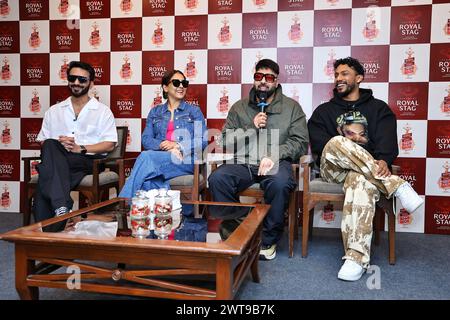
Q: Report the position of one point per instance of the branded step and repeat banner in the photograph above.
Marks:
(403, 44)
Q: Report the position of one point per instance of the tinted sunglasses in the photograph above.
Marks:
(176, 83)
(258, 76)
(81, 79)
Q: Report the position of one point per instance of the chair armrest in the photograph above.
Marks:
(121, 168)
(396, 169)
(30, 158)
(220, 158)
(27, 168)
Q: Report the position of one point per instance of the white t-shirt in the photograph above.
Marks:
(95, 123)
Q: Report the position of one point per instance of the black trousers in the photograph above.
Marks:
(229, 179)
(59, 172)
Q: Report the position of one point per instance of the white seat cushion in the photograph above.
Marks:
(104, 178)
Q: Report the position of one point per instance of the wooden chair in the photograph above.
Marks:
(191, 186)
(92, 186)
(316, 190)
(254, 191)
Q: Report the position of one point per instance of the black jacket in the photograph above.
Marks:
(382, 125)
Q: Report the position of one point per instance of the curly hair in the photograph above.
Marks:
(352, 63)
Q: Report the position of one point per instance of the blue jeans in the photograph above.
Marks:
(153, 170)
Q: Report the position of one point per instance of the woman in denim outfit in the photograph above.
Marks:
(174, 136)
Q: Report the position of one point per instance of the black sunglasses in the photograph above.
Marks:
(176, 83)
(81, 79)
(258, 76)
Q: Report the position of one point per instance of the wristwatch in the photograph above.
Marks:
(83, 149)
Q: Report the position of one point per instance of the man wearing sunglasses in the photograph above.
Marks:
(354, 137)
(266, 132)
(74, 132)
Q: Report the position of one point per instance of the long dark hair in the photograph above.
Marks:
(166, 80)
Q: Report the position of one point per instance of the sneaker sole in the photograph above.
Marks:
(346, 278)
(266, 258)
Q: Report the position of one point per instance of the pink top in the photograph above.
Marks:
(170, 130)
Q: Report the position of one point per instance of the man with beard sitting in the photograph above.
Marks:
(266, 132)
(354, 139)
(74, 132)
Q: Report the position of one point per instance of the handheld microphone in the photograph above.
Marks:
(262, 104)
(262, 96)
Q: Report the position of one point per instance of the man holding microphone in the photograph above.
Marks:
(266, 132)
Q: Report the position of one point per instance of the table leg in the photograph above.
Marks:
(24, 267)
(224, 280)
(254, 269)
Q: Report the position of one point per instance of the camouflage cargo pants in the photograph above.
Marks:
(344, 161)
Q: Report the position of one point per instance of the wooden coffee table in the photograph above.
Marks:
(137, 267)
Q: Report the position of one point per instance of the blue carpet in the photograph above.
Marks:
(421, 271)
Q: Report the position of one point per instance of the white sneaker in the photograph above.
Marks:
(268, 252)
(408, 197)
(351, 271)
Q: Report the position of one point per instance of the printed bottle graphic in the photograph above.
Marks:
(224, 104)
(6, 199)
(157, 100)
(260, 3)
(4, 8)
(406, 142)
(126, 6)
(6, 70)
(158, 35)
(191, 4)
(33, 166)
(370, 30)
(447, 28)
(128, 134)
(35, 104)
(444, 180)
(191, 70)
(295, 33)
(409, 67)
(404, 217)
(258, 56)
(295, 95)
(225, 34)
(34, 41)
(63, 7)
(63, 69)
(445, 105)
(125, 71)
(6, 133)
(94, 94)
(95, 39)
(329, 67)
(328, 214)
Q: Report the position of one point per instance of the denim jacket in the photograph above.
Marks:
(190, 128)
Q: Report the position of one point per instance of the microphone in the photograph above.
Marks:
(262, 104)
(262, 96)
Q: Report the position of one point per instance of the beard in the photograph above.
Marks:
(342, 94)
(268, 93)
(78, 94)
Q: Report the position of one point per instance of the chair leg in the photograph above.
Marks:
(311, 223)
(305, 231)
(292, 222)
(377, 225)
(27, 212)
(297, 215)
(391, 235)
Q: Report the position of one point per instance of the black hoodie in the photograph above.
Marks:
(382, 125)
